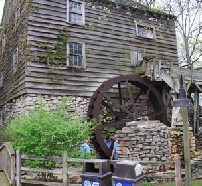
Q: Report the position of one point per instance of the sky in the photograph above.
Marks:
(1, 8)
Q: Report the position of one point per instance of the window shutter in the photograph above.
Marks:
(136, 58)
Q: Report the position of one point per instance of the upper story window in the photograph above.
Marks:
(1, 117)
(76, 55)
(1, 79)
(145, 31)
(15, 59)
(3, 43)
(75, 12)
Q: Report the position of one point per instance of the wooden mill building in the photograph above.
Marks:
(115, 60)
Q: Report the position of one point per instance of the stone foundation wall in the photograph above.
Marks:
(27, 102)
(144, 141)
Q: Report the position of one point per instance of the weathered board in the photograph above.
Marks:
(109, 37)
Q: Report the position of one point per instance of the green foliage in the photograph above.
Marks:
(193, 183)
(43, 132)
(55, 53)
(4, 137)
(146, 184)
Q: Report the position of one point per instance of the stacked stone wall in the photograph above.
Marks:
(144, 141)
(27, 102)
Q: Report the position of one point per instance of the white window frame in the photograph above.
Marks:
(82, 12)
(83, 55)
(136, 58)
(1, 79)
(15, 60)
(3, 43)
(1, 117)
(17, 16)
(147, 28)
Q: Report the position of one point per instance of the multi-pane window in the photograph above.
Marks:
(15, 59)
(146, 32)
(1, 79)
(75, 12)
(1, 117)
(76, 55)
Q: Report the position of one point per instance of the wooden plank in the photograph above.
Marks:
(18, 168)
(30, 157)
(41, 182)
(178, 172)
(40, 170)
(66, 180)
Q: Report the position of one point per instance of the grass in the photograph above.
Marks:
(193, 183)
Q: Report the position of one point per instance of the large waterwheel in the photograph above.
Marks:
(120, 100)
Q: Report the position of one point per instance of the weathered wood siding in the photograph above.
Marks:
(13, 35)
(108, 39)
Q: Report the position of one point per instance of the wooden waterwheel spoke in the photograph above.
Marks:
(120, 93)
(136, 98)
(153, 114)
(131, 96)
(145, 100)
(113, 123)
(120, 96)
(122, 107)
(110, 108)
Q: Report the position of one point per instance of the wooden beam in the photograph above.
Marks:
(178, 175)
(66, 181)
(18, 168)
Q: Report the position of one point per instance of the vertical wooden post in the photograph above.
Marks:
(178, 175)
(195, 111)
(186, 146)
(18, 168)
(64, 169)
(13, 169)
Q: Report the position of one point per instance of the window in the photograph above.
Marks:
(1, 79)
(1, 117)
(145, 31)
(3, 43)
(15, 59)
(136, 58)
(75, 12)
(76, 55)
(17, 16)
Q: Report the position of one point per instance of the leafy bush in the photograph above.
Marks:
(4, 137)
(43, 132)
(146, 184)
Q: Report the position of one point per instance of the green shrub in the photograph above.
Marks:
(43, 132)
(4, 137)
(146, 184)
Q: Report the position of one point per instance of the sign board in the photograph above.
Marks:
(122, 183)
(91, 182)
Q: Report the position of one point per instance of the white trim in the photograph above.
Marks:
(1, 117)
(82, 12)
(149, 28)
(1, 79)
(67, 10)
(15, 59)
(83, 55)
